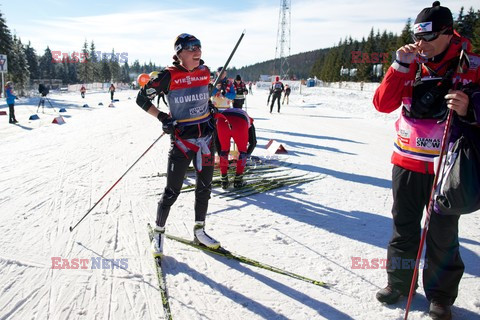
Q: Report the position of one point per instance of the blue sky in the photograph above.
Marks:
(146, 29)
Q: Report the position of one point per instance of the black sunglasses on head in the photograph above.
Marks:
(427, 37)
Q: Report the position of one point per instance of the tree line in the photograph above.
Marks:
(368, 59)
(89, 65)
(353, 60)
(350, 60)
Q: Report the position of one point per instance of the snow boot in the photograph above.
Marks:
(389, 295)
(158, 240)
(238, 181)
(201, 237)
(224, 181)
(439, 311)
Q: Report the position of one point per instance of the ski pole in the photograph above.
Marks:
(113, 186)
(229, 58)
(462, 67)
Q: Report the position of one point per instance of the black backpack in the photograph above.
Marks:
(458, 192)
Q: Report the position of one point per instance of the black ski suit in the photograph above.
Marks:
(277, 88)
(173, 82)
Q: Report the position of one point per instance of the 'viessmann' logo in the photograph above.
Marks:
(192, 97)
(428, 143)
(189, 79)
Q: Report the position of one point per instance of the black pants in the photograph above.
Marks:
(11, 113)
(238, 103)
(276, 96)
(177, 167)
(111, 95)
(443, 267)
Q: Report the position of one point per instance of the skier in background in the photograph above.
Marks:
(82, 91)
(112, 91)
(277, 89)
(270, 92)
(286, 94)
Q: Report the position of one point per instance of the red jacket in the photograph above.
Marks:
(396, 88)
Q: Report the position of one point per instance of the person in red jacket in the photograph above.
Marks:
(235, 123)
(112, 91)
(82, 91)
(421, 81)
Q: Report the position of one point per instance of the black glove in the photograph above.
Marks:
(168, 124)
(211, 106)
(151, 93)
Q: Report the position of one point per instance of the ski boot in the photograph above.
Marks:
(238, 181)
(224, 181)
(202, 238)
(158, 240)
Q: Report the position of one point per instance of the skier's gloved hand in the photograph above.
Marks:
(211, 106)
(168, 124)
(151, 93)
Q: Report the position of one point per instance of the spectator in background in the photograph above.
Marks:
(82, 91)
(224, 92)
(10, 101)
(241, 91)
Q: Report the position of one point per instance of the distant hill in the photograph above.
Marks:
(300, 66)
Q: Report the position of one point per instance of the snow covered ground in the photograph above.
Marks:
(50, 175)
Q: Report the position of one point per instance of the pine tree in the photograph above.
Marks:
(32, 60)
(63, 72)
(5, 41)
(458, 23)
(18, 66)
(5, 37)
(72, 72)
(85, 72)
(406, 35)
(106, 75)
(365, 68)
(46, 66)
(125, 73)
(136, 67)
(114, 67)
(96, 65)
(468, 24)
(476, 34)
